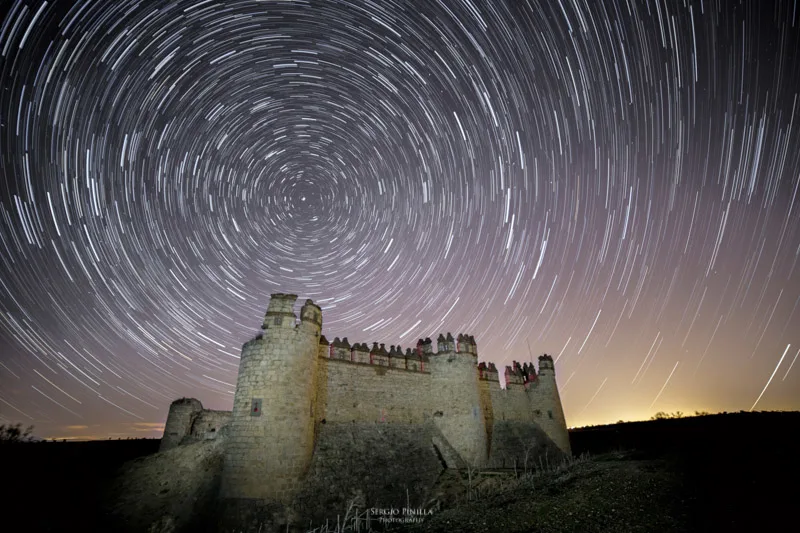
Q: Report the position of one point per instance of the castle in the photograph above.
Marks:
(304, 405)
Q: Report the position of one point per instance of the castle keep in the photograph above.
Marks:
(305, 407)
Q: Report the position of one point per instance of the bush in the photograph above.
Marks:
(11, 434)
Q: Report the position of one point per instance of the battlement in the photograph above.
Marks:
(414, 360)
(280, 310)
(280, 314)
(488, 372)
(525, 373)
(520, 374)
(546, 364)
(462, 344)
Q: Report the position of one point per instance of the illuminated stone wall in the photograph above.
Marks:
(272, 428)
(292, 383)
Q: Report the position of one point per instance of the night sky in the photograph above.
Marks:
(613, 183)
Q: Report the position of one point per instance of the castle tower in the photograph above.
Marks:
(455, 391)
(271, 433)
(548, 402)
(179, 422)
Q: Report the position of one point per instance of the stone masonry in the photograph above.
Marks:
(293, 382)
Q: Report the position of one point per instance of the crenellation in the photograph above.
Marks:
(546, 364)
(415, 360)
(280, 313)
(312, 314)
(396, 357)
(425, 347)
(378, 355)
(360, 353)
(340, 349)
(441, 345)
(445, 344)
(488, 372)
(513, 375)
(465, 344)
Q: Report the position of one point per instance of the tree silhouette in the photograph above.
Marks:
(11, 434)
(661, 415)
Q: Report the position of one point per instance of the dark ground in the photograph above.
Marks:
(728, 473)
(741, 470)
(737, 472)
(61, 486)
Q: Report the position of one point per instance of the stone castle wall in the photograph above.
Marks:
(208, 423)
(456, 400)
(368, 464)
(272, 427)
(347, 391)
(546, 405)
(294, 390)
(188, 422)
(519, 423)
(359, 392)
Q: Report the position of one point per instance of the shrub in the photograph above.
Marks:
(11, 434)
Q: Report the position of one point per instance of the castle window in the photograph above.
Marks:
(278, 320)
(550, 414)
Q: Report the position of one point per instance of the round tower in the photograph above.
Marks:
(271, 433)
(456, 393)
(179, 422)
(548, 401)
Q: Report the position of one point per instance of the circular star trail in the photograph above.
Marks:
(614, 183)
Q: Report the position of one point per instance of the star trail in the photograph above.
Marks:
(614, 183)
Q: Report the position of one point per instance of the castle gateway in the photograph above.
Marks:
(375, 422)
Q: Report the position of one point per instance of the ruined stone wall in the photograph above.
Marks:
(207, 424)
(179, 422)
(357, 392)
